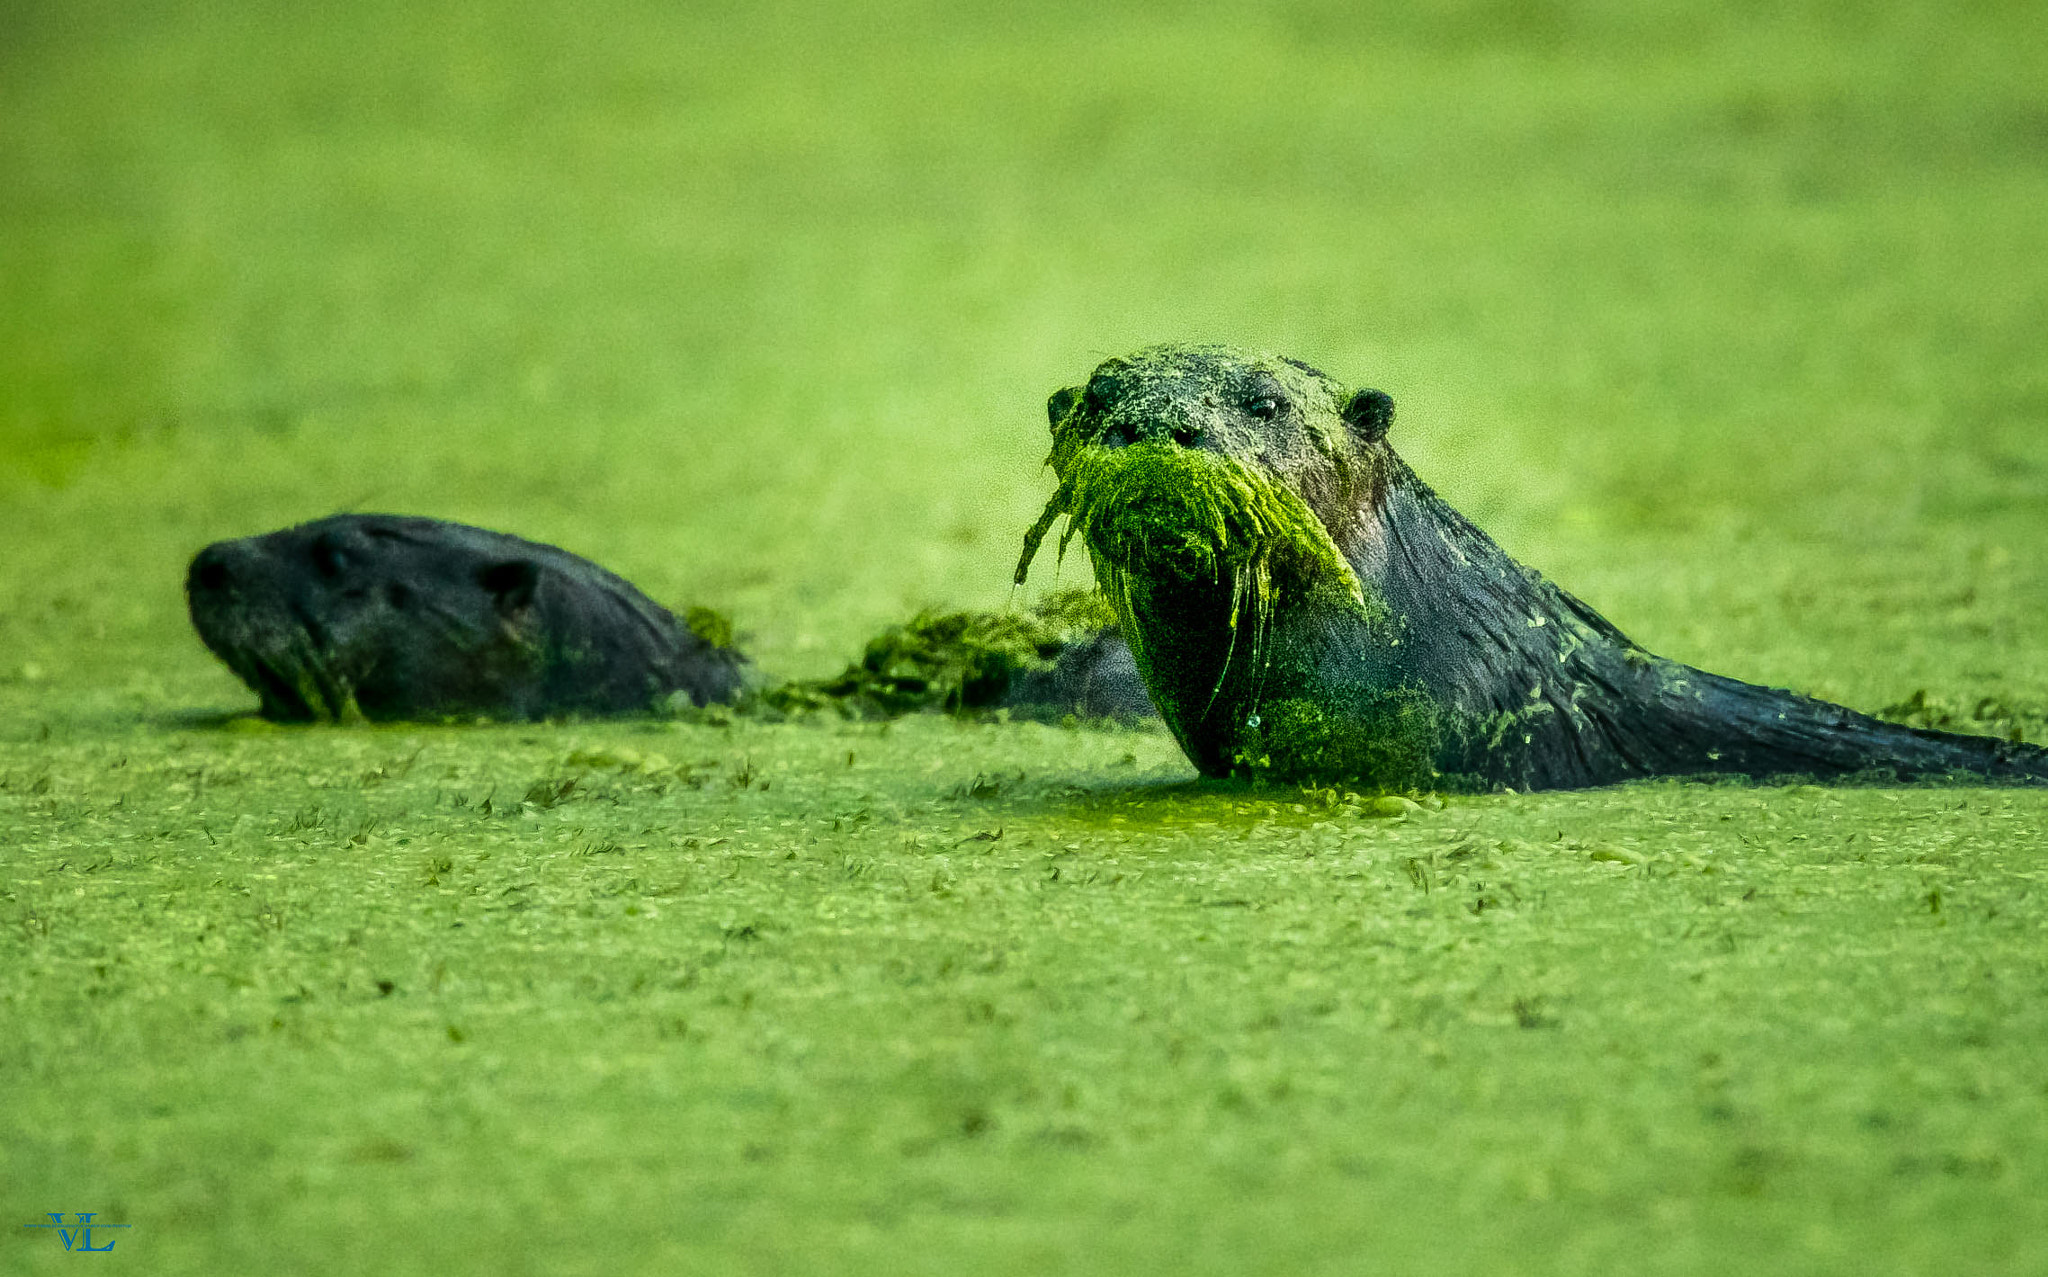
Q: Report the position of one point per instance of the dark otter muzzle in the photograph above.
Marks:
(222, 570)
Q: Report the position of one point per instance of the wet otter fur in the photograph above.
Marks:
(387, 617)
(1303, 607)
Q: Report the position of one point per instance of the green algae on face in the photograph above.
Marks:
(1206, 512)
(1157, 509)
(952, 661)
(1198, 515)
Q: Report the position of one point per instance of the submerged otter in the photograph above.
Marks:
(386, 617)
(1300, 605)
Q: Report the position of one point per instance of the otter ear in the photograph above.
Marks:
(1061, 403)
(1369, 413)
(511, 585)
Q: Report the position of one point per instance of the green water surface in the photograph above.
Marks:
(1729, 317)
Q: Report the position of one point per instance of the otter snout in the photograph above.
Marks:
(1123, 432)
(220, 569)
(1127, 410)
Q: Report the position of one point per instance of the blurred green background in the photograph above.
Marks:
(1728, 316)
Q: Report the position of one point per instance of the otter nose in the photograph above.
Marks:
(213, 569)
(1123, 430)
(1135, 412)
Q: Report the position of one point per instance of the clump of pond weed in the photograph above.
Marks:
(711, 625)
(957, 662)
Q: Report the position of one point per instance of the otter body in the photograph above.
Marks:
(391, 618)
(1301, 605)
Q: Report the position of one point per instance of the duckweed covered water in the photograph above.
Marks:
(1729, 321)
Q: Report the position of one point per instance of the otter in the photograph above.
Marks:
(1301, 606)
(386, 617)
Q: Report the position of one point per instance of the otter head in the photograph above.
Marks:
(1211, 462)
(373, 616)
(1287, 418)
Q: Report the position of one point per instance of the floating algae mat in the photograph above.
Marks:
(957, 662)
(956, 972)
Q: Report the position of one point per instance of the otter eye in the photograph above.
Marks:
(1265, 407)
(328, 558)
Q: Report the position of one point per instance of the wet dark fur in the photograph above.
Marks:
(1609, 711)
(1541, 691)
(408, 618)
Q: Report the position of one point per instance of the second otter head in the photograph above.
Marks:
(391, 617)
(372, 615)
